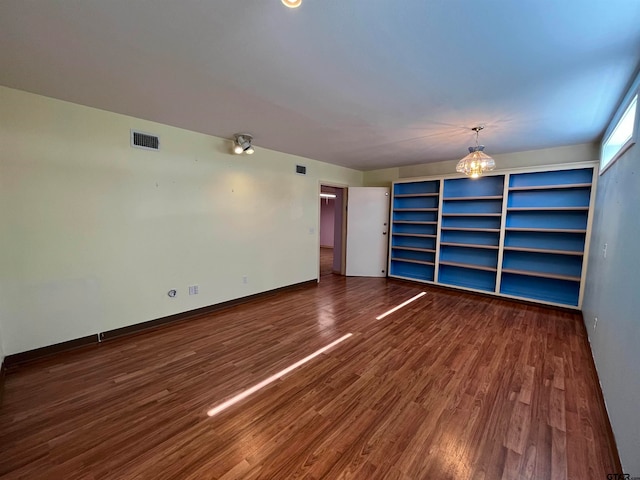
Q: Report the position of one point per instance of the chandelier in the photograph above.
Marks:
(476, 162)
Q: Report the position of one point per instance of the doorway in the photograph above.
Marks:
(332, 229)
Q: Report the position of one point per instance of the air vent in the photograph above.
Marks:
(144, 140)
(301, 169)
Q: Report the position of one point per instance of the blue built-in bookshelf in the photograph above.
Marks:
(470, 232)
(414, 230)
(545, 235)
(520, 234)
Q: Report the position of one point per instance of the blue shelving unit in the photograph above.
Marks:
(470, 232)
(546, 227)
(414, 229)
(520, 234)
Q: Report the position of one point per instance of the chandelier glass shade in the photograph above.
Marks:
(476, 162)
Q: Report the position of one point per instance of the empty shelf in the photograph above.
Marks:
(471, 214)
(485, 197)
(407, 195)
(529, 273)
(408, 260)
(415, 249)
(469, 265)
(415, 209)
(553, 230)
(472, 229)
(544, 250)
(414, 222)
(421, 235)
(546, 209)
(550, 187)
(469, 245)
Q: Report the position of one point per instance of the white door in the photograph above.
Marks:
(367, 231)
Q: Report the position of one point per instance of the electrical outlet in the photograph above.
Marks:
(194, 289)
(245, 279)
(595, 322)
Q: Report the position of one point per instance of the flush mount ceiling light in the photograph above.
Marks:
(477, 162)
(292, 3)
(242, 143)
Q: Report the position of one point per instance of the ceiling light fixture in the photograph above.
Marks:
(327, 195)
(292, 3)
(477, 162)
(242, 143)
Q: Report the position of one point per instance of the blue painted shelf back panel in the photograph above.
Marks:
(416, 216)
(415, 202)
(558, 177)
(545, 289)
(413, 255)
(543, 263)
(555, 241)
(473, 256)
(574, 220)
(464, 277)
(471, 222)
(472, 206)
(415, 242)
(481, 238)
(469, 187)
(416, 229)
(412, 270)
(578, 197)
(431, 186)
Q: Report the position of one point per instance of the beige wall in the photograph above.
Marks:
(95, 232)
(548, 156)
(382, 177)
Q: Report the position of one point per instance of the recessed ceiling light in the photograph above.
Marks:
(291, 3)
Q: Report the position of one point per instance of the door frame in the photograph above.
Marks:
(343, 227)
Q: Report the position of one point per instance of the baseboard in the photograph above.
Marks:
(2, 373)
(199, 312)
(17, 359)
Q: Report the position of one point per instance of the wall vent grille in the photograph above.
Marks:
(144, 140)
(301, 169)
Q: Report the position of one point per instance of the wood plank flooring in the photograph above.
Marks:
(326, 261)
(453, 386)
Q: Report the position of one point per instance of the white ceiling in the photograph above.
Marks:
(360, 83)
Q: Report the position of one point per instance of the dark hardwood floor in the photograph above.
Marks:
(453, 386)
(326, 261)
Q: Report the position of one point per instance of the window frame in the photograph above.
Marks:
(624, 107)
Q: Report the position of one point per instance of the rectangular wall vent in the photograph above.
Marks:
(301, 169)
(144, 140)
